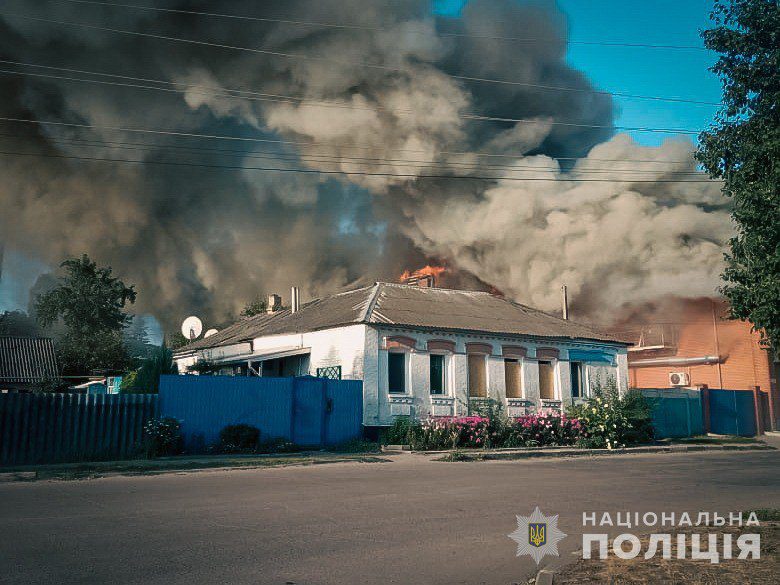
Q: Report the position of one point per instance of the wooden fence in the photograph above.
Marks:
(56, 428)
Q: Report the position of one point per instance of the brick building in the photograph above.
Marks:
(695, 343)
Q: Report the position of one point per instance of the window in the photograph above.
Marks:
(513, 377)
(546, 380)
(477, 376)
(396, 373)
(330, 372)
(577, 380)
(437, 373)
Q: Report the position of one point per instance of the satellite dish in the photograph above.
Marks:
(191, 328)
(210, 332)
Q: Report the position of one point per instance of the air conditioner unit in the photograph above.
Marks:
(678, 379)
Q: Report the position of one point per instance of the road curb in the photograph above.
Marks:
(544, 577)
(499, 454)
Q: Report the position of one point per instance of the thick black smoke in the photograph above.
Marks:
(206, 240)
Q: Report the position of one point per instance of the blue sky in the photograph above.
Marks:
(661, 72)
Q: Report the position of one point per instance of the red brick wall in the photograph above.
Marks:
(744, 363)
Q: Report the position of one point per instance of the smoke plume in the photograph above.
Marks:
(199, 227)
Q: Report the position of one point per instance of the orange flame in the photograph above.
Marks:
(428, 270)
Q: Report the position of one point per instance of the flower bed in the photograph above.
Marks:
(548, 428)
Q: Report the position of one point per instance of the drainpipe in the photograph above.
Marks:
(565, 302)
(717, 342)
(692, 361)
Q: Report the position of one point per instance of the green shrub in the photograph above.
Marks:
(611, 421)
(162, 437)
(400, 432)
(237, 438)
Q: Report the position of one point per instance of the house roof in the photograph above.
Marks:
(25, 360)
(411, 306)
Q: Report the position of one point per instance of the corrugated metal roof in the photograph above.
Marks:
(412, 306)
(27, 359)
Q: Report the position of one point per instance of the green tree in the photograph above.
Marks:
(743, 150)
(89, 302)
(255, 307)
(136, 339)
(18, 324)
(146, 379)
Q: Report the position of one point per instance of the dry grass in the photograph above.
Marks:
(690, 572)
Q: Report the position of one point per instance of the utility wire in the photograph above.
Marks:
(340, 172)
(380, 29)
(274, 53)
(247, 139)
(441, 167)
(303, 102)
(335, 159)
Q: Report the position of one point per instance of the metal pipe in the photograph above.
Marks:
(565, 302)
(295, 302)
(665, 361)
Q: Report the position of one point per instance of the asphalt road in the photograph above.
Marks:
(406, 521)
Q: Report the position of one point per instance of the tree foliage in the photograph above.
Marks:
(89, 302)
(146, 379)
(743, 150)
(255, 307)
(18, 324)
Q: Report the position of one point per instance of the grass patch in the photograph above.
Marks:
(71, 471)
(641, 571)
(767, 514)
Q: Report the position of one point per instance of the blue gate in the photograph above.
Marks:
(677, 412)
(307, 411)
(732, 412)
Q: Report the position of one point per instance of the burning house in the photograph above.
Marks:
(421, 350)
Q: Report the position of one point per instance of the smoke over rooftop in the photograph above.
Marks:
(199, 226)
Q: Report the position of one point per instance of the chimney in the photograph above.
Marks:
(422, 281)
(274, 303)
(295, 299)
(565, 302)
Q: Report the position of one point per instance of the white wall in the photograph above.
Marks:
(381, 407)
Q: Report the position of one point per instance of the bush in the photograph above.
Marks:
(546, 429)
(613, 421)
(479, 432)
(237, 438)
(162, 436)
(398, 434)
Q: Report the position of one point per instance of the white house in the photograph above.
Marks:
(421, 351)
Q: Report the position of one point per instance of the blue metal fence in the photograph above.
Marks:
(57, 428)
(676, 412)
(732, 412)
(307, 411)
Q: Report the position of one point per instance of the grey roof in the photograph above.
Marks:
(27, 359)
(411, 306)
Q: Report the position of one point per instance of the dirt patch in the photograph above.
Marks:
(690, 572)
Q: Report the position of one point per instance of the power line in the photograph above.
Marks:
(274, 95)
(303, 102)
(270, 52)
(380, 29)
(247, 139)
(335, 160)
(340, 172)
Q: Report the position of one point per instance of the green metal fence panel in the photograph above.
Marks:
(58, 428)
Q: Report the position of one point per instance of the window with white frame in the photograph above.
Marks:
(477, 375)
(546, 380)
(578, 389)
(396, 372)
(513, 376)
(437, 373)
